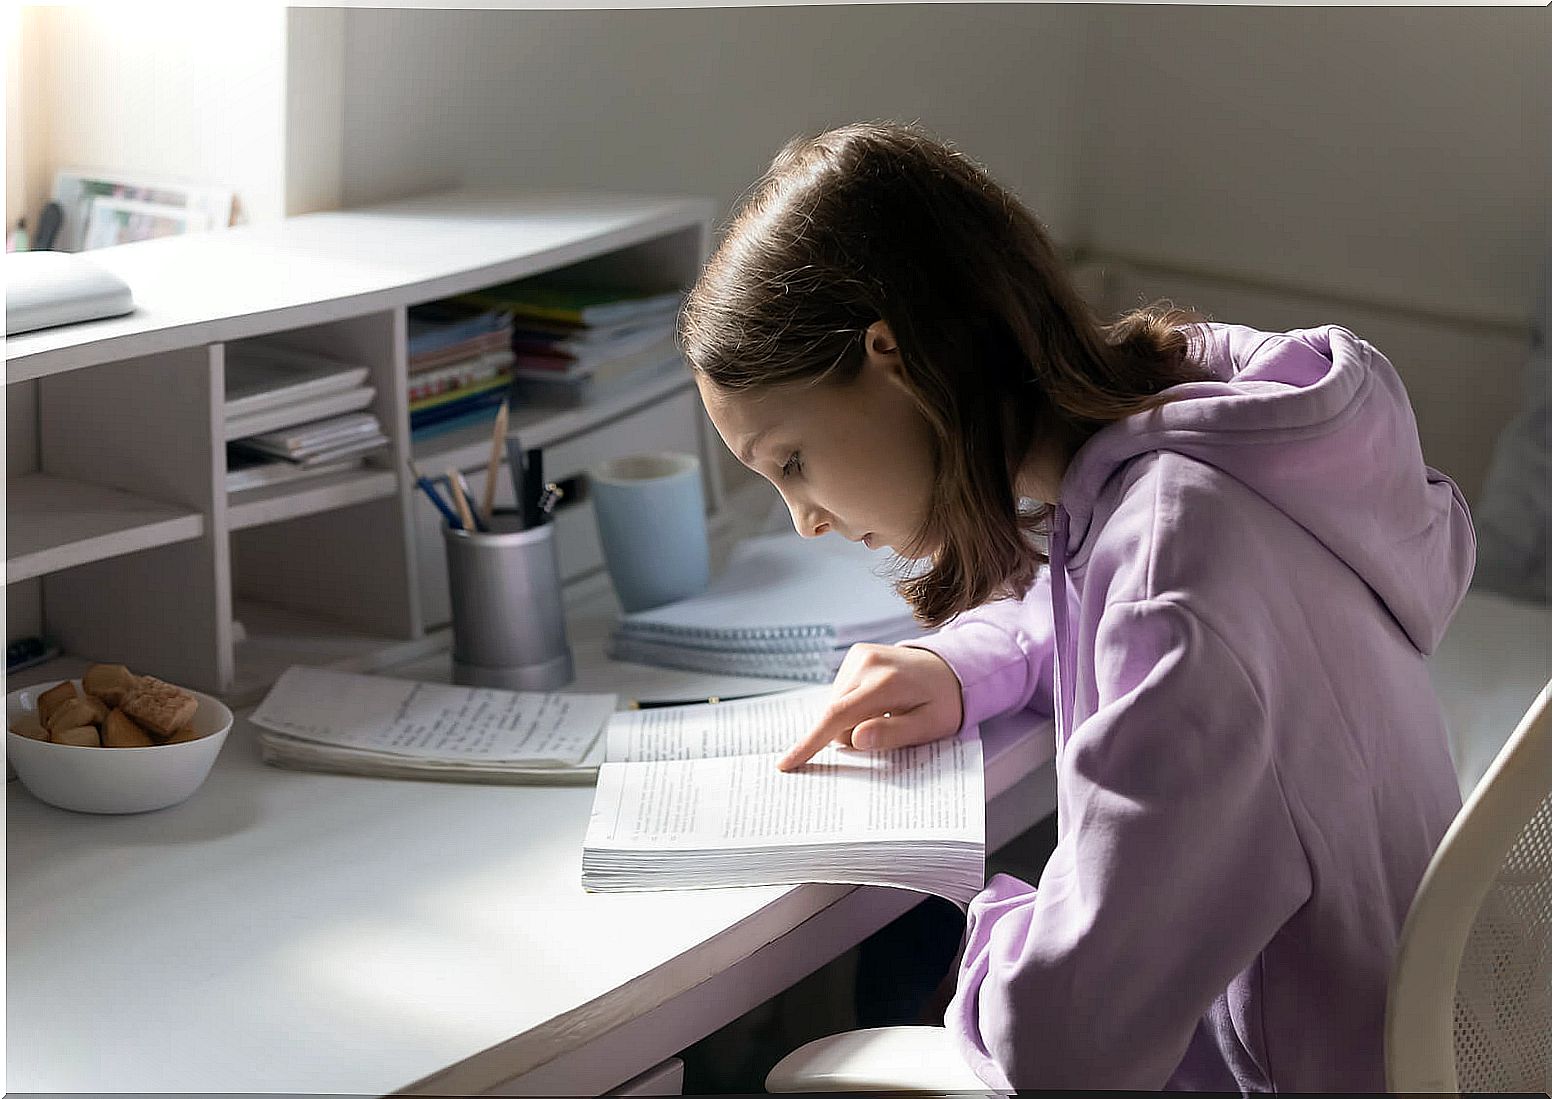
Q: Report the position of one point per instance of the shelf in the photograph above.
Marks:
(56, 523)
(273, 638)
(273, 503)
(469, 447)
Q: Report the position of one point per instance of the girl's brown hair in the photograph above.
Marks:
(881, 221)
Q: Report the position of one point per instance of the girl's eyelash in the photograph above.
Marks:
(793, 465)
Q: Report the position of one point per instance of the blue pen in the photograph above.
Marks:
(429, 488)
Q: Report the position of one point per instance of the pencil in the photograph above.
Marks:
(497, 439)
(460, 501)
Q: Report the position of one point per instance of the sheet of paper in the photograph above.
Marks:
(433, 720)
(930, 791)
(772, 723)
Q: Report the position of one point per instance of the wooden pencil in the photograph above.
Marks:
(498, 439)
(460, 501)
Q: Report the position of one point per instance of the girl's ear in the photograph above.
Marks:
(881, 352)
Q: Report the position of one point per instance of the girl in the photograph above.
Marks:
(1248, 565)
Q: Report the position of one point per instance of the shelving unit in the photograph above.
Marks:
(121, 528)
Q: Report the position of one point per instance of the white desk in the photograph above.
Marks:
(292, 932)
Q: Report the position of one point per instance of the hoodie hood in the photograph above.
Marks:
(1316, 422)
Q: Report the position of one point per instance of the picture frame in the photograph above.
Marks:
(132, 208)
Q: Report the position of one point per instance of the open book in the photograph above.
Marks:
(690, 797)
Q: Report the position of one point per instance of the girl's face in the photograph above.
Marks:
(855, 459)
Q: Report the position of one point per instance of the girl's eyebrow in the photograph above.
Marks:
(746, 455)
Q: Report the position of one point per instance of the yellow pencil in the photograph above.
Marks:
(498, 440)
(460, 501)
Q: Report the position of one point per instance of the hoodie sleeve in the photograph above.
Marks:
(1177, 864)
(1002, 653)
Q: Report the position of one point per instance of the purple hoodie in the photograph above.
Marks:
(1251, 761)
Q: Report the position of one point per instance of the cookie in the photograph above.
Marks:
(160, 707)
(110, 682)
(53, 698)
(82, 736)
(121, 731)
(74, 712)
(29, 726)
(188, 732)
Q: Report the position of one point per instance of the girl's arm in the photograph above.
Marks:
(1002, 653)
(1177, 865)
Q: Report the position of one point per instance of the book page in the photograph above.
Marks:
(746, 726)
(930, 791)
(433, 720)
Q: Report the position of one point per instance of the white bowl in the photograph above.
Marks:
(114, 780)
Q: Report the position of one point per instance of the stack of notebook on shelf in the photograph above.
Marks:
(460, 365)
(573, 344)
(291, 415)
(784, 607)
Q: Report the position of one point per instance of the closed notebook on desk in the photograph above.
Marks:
(784, 594)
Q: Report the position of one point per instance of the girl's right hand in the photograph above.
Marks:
(885, 696)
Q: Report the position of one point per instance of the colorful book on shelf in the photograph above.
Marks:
(480, 418)
(574, 304)
(689, 797)
(540, 389)
(479, 402)
(426, 335)
(573, 335)
(478, 369)
(461, 393)
(655, 353)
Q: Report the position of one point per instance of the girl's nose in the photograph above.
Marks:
(808, 523)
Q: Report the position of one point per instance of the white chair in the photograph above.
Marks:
(1471, 992)
(1470, 1004)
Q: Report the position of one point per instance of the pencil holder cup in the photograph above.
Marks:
(651, 516)
(509, 624)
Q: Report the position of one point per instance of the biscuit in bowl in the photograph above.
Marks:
(124, 767)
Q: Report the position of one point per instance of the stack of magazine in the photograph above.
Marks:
(574, 344)
(784, 607)
(460, 365)
(291, 415)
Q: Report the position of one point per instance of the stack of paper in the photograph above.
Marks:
(290, 414)
(373, 725)
(784, 607)
(690, 797)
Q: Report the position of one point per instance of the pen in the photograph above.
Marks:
(533, 487)
(460, 499)
(497, 437)
(659, 703)
(518, 468)
(426, 485)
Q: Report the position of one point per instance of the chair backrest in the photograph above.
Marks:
(1470, 1006)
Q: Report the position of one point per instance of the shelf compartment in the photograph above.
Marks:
(273, 638)
(57, 523)
(275, 503)
(468, 447)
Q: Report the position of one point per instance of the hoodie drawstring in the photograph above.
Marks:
(1062, 669)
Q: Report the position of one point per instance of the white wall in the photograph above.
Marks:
(1397, 155)
(189, 96)
(698, 100)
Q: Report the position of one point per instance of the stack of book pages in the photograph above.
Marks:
(460, 365)
(321, 720)
(784, 607)
(574, 344)
(690, 797)
(291, 415)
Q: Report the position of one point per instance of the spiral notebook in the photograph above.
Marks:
(784, 606)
